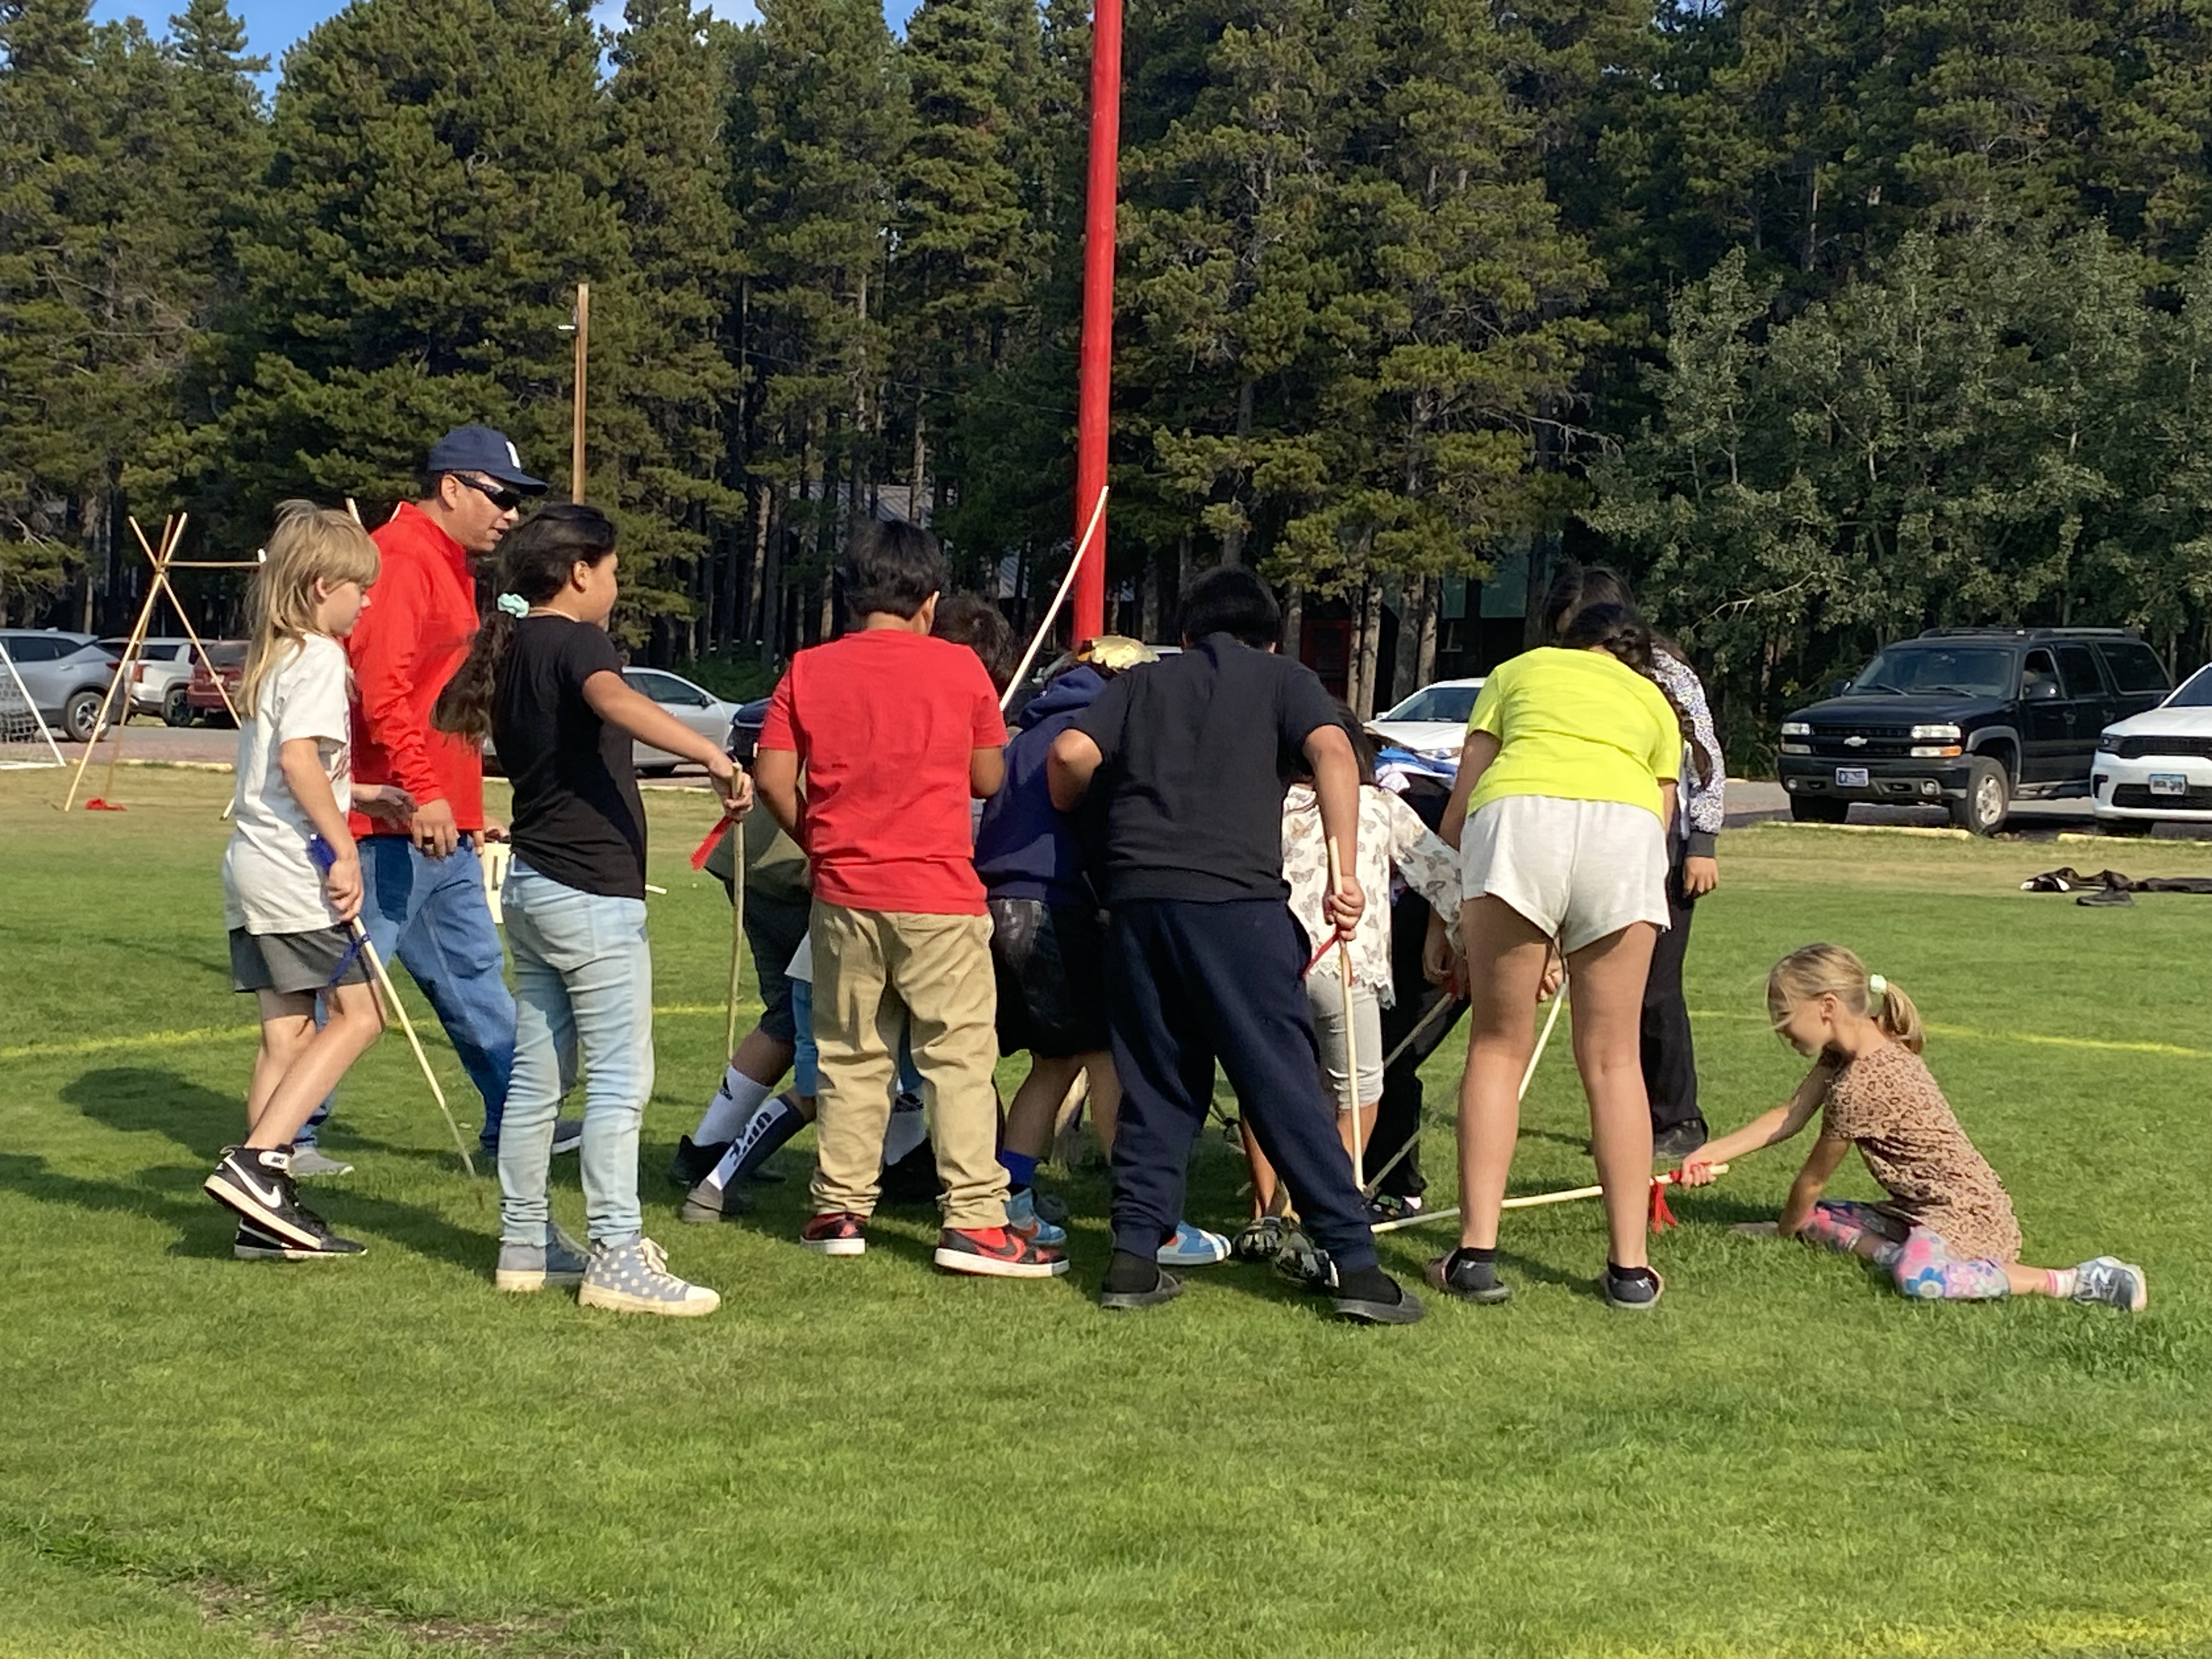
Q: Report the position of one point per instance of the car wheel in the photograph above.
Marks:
(175, 711)
(1987, 800)
(1819, 809)
(2131, 828)
(81, 715)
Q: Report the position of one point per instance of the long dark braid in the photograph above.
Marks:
(1621, 631)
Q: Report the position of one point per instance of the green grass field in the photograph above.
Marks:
(203, 1457)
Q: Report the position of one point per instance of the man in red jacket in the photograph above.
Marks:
(423, 888)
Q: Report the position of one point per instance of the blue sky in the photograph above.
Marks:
(273, 25)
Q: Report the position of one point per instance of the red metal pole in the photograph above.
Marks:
(1096, 387)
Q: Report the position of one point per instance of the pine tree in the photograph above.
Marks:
(967, 267)
(822, 121)
(1237, 123)
(439, 186)
(663, 403)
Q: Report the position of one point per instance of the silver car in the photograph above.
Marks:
(160, 675)
(64, 675)
(697, 707)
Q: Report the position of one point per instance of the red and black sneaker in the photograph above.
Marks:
(997, 1253)
(836, 1232)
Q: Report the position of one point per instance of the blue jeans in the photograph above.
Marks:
(429, 916)
(583, 986)
(807, 1059)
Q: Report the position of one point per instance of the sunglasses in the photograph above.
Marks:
(502, 496)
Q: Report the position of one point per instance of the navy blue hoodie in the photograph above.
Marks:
(1025, 849)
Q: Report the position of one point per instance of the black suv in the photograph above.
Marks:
(1971, 718)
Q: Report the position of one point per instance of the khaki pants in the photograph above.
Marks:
(878, 973)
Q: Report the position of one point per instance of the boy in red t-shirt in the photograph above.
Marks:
(895, 732)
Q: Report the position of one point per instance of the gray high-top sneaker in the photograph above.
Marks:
(634, 1278)
(559, 1260)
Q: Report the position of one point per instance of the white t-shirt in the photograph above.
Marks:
(270, 884)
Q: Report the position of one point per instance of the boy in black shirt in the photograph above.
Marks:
(1193, 757)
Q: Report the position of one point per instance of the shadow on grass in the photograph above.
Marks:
(138, 1099)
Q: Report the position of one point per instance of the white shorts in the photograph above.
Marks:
(1325, 994)
(1577, 869)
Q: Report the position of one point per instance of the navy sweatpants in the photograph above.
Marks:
(1191, 983)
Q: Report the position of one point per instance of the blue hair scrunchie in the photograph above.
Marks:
(514, 605)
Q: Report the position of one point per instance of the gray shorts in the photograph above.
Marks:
(295, 963)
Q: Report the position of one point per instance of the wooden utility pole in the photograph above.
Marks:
(583, 327)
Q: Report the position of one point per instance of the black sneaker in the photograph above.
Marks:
(693, 1162)
(1369, 1296)
(1679, 1140)
(1459, 1275)
(1637, 1289)
(706, 1203)
(255, 1242)
(1125, 1290)
(913, 1179)
(256, 1183)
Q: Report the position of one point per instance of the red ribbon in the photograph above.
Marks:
(1663, 1218)
(705, 849)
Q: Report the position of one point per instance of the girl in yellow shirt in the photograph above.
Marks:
(1564, 800)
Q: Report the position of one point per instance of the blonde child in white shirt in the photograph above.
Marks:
(291, 939)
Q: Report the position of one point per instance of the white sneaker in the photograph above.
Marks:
(634, 1278)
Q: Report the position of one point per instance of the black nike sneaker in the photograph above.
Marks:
(256, 1244)
(257, 1182)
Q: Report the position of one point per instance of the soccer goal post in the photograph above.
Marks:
(25, 739)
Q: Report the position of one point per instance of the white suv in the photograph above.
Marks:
(2157, 765)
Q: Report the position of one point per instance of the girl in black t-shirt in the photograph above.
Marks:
(544, 682)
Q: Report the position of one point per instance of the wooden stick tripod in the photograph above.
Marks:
(164, 559)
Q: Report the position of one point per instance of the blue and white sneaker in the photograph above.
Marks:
(1021, 1218)
(2119, 1284)
(1193, 1246)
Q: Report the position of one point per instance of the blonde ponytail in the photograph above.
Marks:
(1830, 970)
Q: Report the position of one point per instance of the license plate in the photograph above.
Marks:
(2168, 783)
(1854, 777)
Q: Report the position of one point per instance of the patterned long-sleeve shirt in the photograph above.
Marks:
(1391, 835)
(1704, 806)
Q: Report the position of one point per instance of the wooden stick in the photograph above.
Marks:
(1528, 1073)
(1351, 1026)
(100, 722)
(1097, 517)
(391, 998)
(1531, 1201)
(184, 617)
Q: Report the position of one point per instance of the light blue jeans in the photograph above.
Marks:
(807, 1059)
(583, 989)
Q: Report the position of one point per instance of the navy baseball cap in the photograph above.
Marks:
(480, 449)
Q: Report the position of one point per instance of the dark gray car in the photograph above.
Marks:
(64, 675)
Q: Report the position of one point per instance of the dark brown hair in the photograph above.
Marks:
(1620, 630)
(535, 559)
(971, 620)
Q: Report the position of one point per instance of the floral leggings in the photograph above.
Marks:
(1920, 1263)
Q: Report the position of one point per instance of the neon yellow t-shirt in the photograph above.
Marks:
(1576, 725)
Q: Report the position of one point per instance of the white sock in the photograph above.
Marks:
(733, 1104)
(2063, 1281)
(906, 1131)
